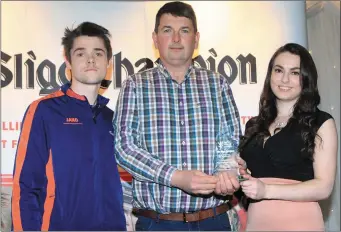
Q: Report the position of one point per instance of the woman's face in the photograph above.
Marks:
(285, 79)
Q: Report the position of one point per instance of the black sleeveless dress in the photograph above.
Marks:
(280, 161)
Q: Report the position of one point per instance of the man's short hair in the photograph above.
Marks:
(86, 29)
(179, 9)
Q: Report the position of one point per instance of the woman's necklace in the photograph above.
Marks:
(280, 124)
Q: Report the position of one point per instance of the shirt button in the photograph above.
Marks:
(184, 164)
(182, 123)
(183, 142)
(180, 103)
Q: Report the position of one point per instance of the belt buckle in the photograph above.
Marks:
(185, 218)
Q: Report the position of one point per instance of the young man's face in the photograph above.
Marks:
(176, 40)
(89, 60)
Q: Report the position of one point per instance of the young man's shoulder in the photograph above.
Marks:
(46, 99)
(108, 112)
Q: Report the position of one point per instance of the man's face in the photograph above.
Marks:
(176, 40)
(89, 60)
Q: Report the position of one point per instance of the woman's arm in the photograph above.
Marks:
(325, 160)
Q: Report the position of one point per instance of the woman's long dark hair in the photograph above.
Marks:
(304, 109)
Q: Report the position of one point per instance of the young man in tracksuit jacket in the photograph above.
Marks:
(65, 173)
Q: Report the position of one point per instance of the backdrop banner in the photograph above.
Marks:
(237, 39)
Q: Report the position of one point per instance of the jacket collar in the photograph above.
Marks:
(66, 89)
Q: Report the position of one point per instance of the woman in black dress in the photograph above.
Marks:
(290, 147)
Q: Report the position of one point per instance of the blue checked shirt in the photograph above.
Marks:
(162, 126)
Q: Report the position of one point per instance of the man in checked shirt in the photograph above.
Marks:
(171, 123)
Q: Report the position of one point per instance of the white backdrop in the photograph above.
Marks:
(230, 31)
(323, 21)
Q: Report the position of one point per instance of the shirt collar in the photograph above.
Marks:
(165, 72)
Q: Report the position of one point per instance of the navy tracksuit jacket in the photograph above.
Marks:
(65, 175)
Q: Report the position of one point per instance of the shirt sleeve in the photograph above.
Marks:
(129, 153)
